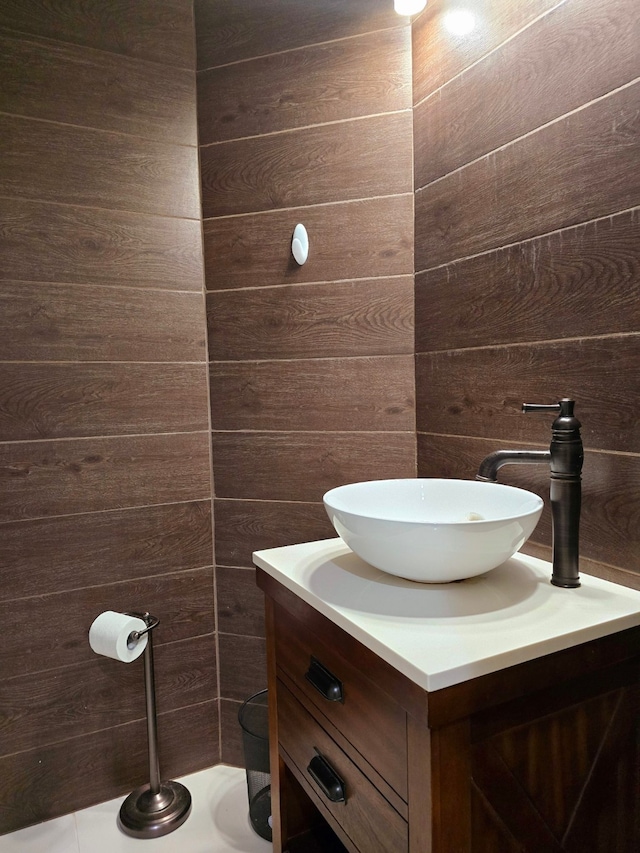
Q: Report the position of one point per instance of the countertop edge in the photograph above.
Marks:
(438, 680)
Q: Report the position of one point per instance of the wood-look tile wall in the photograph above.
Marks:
(304, 116)
(527, 175)
(105, 495)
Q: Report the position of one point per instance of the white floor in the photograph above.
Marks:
(218, 823)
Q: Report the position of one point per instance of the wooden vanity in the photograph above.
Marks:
(522, 751)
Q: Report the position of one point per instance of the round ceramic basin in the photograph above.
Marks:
(433, 530)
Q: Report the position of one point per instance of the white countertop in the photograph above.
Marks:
(443, 634)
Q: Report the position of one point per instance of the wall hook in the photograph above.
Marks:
(300, 244)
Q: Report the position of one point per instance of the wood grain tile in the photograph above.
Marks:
(201, 742)
(98, 103)
(488, 203)
(480, 392)
(227, 31)
(56, 554)
(39, 401)
(243, 527)
(365, 317)
(352, 159)
(577, 282)
(91, 88)
(161, 32)
(608, 529)
(624, 577)
(231, 733)
(277, 466)
(102, 693)
(46, 478)
(312, 85)
(561, 62)
(69, 165)
(240, 602)
(348, 240)
(37, 785)
(459, 458)
(60, 622)
(51, 322)
(373, 394)
(438, 54)
(243, 666)
(54, 243)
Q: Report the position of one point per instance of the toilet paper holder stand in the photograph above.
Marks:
(151, 623)
(157, 808)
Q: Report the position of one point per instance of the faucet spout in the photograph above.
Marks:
(565, 457)
(488, 470)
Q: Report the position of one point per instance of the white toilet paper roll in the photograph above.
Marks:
(109, 633)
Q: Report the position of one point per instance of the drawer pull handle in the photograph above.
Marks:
(324, 681)
(328, 780)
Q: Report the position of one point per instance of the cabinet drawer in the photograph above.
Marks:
(365, 816)
(366, 716)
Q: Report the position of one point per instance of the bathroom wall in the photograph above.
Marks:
(104, 427)
(304, 116)
(526, 178)
(527, 175)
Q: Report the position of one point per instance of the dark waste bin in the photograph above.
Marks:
(253, 717)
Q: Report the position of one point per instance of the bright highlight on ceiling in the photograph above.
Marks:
(409, 7)
(460, 22)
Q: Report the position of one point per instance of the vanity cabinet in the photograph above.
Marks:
(542, 756)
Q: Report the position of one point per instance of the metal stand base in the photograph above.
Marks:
(147, 815)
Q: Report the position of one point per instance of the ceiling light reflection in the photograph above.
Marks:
(459, 22)
(409, 7)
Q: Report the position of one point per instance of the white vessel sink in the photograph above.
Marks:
(432, 530)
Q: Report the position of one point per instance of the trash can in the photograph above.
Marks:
(253, 717)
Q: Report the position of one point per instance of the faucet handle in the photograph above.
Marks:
(564, 407)
(566, 420)
(540, 407)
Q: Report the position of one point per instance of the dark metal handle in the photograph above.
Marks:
(324, 681)
(327, 779)
(564, 408)
(540, 407)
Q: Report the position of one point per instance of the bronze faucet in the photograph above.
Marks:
(565, 456)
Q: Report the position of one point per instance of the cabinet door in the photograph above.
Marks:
(561, 779)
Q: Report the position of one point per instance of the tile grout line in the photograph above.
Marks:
(302, 47)
(489, 53)
(110, 437)
(131, 722)
(538, 342)
(115, 509)
(526, 240)
(75, 828)
(17, 34)
(518, 139)
(319, 282)
(96, 285)
(303, 127)
(93, 129)
(303, 207)
(25, 199)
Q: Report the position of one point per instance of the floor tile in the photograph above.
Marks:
(218, 823)
(53, 836)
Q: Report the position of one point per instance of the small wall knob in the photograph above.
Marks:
(300, 244)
